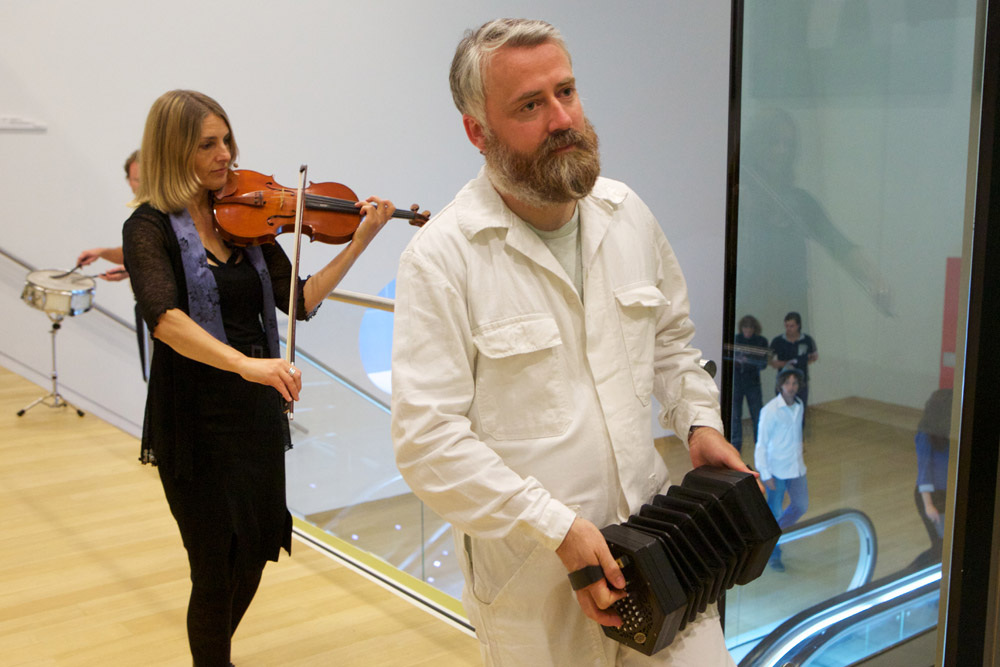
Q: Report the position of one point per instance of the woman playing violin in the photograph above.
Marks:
(214, 421)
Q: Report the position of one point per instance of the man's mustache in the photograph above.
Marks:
(567, 137)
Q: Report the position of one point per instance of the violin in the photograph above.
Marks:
(252, 209)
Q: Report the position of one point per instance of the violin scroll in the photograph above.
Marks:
(419, 218)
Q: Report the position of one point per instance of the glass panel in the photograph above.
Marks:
(342, 477)
(854, 147)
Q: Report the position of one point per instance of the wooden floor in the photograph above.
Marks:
(92, 570)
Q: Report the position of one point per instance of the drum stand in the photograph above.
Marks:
(57, 400)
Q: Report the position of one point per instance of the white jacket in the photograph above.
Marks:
(778, 450)
(516, 406)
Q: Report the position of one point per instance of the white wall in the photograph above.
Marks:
(358, 91)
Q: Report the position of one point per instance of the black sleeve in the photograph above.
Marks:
(147, 258)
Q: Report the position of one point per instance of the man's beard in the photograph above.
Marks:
(543, 178)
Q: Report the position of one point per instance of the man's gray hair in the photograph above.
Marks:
(478, 47)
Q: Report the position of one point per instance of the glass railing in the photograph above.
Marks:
(347, 495)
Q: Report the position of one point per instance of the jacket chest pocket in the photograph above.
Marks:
(639, 308)
(521, 389)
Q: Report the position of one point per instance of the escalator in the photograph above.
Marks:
(868, 619)
(855, 625)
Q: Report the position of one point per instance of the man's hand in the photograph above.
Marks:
(708, 447)
(584, 545)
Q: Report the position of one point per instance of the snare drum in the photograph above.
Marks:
(66, 295)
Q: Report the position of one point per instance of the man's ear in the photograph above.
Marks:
(475, 131)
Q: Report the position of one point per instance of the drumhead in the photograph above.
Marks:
(74, 283)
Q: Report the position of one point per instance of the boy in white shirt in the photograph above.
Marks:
(778, 455)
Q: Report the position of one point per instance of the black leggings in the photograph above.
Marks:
(222, 586)
(224, 572)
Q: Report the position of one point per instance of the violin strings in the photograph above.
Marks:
(323, 202)
(343, 205)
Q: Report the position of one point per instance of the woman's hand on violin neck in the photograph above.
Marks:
(376, 213)
(273, 372)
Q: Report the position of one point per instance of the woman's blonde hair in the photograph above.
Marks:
(169, 143)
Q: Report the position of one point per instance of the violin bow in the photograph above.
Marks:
(293, 292)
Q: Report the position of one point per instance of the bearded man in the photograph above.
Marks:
(536, 316)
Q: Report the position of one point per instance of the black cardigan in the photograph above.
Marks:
(153, 260)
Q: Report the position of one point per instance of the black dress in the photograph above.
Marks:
(218, 439)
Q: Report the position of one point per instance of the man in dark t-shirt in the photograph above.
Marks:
(796, 349)
(750, 354)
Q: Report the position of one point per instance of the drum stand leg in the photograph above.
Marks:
(57, 399)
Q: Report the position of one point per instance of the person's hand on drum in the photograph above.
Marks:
(114, 255)
(114, 275)
(89, 256)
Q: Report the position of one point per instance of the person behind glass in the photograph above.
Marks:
(794, 348)
(749, 357)
(215, 422)
(114, 254)
(536, 316)
(778, 454)
(932, 443)
(779, 218)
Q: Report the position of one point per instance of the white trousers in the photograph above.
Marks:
(518, 597)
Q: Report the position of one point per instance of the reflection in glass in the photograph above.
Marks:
(932, 444)
(852, 200)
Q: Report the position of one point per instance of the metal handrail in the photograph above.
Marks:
(867, 541)
(867, 554)
(836, 612)
(345, 296)
(359, 299)
(389, 305)
(928, 591)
